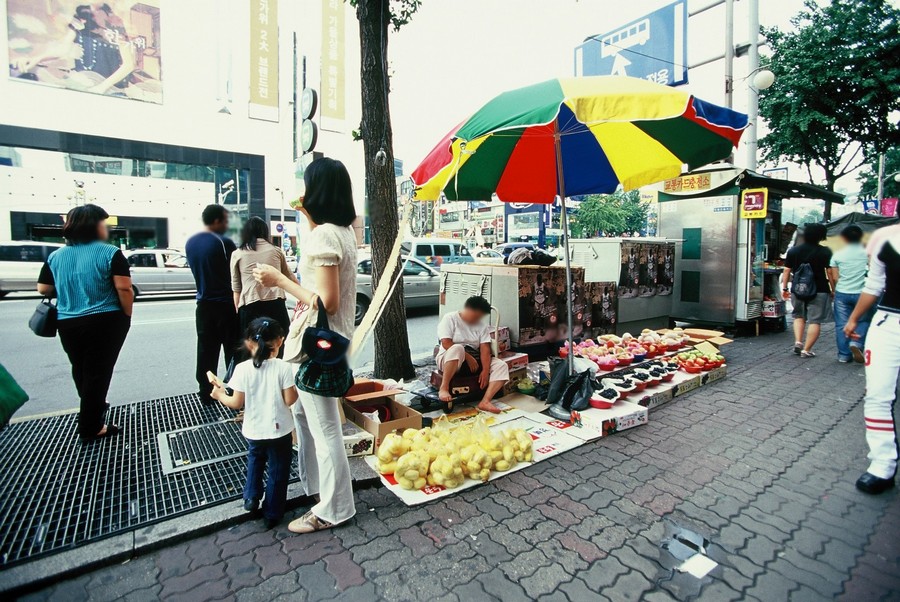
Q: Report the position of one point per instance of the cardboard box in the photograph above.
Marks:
(370, 392)
(685, 383)
(772, 309)
(514, 360)
(713, 375)
(514, 377)
(654, 397)
(357, 442)
(501, 335)
(622, 416)
(402, 418)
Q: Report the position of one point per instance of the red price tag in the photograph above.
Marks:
(431, 489)
(559, 424)
(546, 449)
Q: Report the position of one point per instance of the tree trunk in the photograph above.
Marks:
(392, 357)
(829, 185)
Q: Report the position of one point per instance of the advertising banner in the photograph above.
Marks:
(112, 48)
(754, 203)
(264, 60)
(871, 206)
(889, 207)
(333, 90)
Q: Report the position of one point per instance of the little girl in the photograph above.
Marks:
(264, 387)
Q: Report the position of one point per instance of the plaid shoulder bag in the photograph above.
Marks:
(325, 372)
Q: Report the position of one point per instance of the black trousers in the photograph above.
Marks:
(93, 344)
(217, 328)
(275, 309)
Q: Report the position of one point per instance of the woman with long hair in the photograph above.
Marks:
(252, 299)
(91, 281)
(328, 274)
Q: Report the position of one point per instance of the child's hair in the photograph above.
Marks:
(263, 332)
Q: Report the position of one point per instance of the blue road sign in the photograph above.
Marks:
(653, 47)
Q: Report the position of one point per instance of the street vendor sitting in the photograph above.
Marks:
(465, 345)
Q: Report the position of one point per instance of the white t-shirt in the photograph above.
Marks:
(265, 414)
(454, 328)
(329, 245)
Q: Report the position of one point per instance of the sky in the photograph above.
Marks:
(456, 55)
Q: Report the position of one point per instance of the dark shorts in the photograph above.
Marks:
(814, 311)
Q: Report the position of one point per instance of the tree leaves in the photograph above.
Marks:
(614, 214)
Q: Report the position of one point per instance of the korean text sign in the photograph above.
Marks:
(754, 203)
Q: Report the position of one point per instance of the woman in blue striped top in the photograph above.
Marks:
(92, 283)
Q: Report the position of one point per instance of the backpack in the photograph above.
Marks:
(804, 283)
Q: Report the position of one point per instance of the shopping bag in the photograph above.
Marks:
(571, 392)
(12, 396)
(303, 316)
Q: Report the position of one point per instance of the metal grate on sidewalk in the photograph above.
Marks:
(56, 493)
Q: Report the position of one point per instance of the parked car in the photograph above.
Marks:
(421, 285)
(20, 264)
(160, 271)
(435, 251)
(487, 256)
(508, 247)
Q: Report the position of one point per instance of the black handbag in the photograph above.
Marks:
(325, 371)
(43, 320)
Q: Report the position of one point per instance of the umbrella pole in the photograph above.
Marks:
(564, 218)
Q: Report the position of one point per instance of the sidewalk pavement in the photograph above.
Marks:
(762, 464)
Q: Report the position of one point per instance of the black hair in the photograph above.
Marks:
(84, 12)
(329, 193)
(253, 228)
(263, 332)
(478, 304)
(82, 224)
(814, 233)
(852, 233)
(214, 213)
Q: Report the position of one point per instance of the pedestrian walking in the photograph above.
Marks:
(810, 293)
(264, 388)
(209, 255)
(882, 355)
(847, 274)
(91, 281)
(252, 299)
(328, 273)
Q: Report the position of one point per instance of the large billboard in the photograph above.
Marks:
(264, 59)
(653, 47)
(111, 48)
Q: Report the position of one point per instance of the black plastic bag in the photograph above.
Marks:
(570, 392)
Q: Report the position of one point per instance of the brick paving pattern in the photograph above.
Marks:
(761, 464)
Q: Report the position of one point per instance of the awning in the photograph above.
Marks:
(730, 180)
(866, 221)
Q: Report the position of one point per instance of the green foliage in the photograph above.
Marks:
(402, 11)
(610, 214)
(837, 81)
(814, 216)
(868, 177)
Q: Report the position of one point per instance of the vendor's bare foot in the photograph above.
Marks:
(444, 395)
(487, 406)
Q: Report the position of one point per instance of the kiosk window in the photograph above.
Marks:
(690, 248)
(690, 286)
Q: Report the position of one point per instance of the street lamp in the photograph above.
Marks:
(763, 79)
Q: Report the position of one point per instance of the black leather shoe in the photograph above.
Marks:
(251, 505)
(869, 483)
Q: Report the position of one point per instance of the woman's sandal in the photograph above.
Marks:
(111, 431)
(308, 523)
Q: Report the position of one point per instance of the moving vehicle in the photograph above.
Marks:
(508, 247)
(160, 271)
(421, 285)
(20, 264)
(435, 251)
(487, 256)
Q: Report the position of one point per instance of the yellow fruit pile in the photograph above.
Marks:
(445, 455)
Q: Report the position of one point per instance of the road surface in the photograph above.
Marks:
(156, 361)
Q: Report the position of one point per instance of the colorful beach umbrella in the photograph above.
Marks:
(577, 136)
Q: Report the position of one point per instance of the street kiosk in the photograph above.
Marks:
(732, 239)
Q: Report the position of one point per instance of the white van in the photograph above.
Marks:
(435, 251)
(20, 264)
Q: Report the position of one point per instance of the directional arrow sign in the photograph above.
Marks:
(653, 47)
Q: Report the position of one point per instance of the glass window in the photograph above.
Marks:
(142, 260)
(423, 251)
(412, 268)
(461, 250)
(442, 250)
(175, 260)
(365, 267)
(29, 253)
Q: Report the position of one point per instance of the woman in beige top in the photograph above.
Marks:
(252, 299)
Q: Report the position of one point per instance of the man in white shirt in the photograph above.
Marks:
(463, 336)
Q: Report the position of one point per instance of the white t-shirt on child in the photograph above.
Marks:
(265, 414)
(454, 328)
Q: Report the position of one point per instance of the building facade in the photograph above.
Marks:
(154, 109)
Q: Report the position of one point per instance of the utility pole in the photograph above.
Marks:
(753, 100)
(880, 194)
(729, 53)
